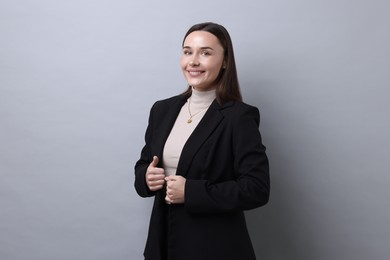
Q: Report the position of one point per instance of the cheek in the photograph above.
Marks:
(183, 63)
(217, 69)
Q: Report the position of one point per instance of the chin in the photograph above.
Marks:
(194, 84)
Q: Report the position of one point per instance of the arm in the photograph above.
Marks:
(148, 177)
(250, 187)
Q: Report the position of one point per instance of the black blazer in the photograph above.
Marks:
(226, 169)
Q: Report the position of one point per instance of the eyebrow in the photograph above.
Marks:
(202, 48)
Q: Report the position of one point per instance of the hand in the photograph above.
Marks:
(155, 176)
(175, 189)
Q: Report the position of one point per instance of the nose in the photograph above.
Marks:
(194, 62)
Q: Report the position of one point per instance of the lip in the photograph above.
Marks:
(195, 73)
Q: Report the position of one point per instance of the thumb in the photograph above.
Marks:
(154, 162)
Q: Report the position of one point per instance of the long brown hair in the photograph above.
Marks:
(228, 88)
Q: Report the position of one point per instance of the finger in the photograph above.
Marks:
(157, 172)
(154, 188)
(169, 185)
(170, 197)
(158, 182)
(155, 177)
(170, 178)
(154, 162)
(155, 185)
(169, 193)
(167, 199)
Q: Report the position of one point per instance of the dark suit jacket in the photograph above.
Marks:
(226, 169)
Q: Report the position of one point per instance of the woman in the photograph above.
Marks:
(203, 161)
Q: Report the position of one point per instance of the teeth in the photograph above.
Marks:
(195, 73)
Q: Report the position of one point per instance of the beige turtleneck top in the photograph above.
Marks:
(196, 106)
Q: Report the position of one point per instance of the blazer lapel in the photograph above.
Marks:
(206, 126)
(168, 118)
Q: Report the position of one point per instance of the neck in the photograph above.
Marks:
(202, 98)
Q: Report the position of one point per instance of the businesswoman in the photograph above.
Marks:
(203, 159)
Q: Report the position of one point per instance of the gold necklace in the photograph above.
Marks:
(189, 121)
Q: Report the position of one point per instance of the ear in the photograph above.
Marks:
(224, 65)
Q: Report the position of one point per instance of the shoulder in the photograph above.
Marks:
(243, 119)
(239, 109)
(160, 104)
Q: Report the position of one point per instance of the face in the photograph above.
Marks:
(202, 60)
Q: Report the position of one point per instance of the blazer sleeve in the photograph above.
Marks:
(144, 161)
(251, 186)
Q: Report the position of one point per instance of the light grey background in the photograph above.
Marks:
(77, 79)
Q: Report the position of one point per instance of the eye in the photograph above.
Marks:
(187, 52)
(205, 53)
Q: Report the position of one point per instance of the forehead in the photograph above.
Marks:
(201, 39)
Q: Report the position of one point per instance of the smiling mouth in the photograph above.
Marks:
(195, 73)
